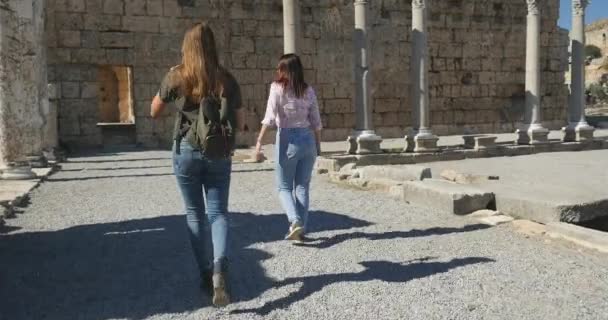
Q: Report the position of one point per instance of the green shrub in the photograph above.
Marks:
(598, 92)
(592, 52)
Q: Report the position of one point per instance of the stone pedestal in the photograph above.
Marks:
(579, 133)
(532, 135)
(364, 143)
(425, 143)
(479, 142)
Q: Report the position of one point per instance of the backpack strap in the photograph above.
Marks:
(178, 131)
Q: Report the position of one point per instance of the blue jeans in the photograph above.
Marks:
(296, 153)
(197, 175)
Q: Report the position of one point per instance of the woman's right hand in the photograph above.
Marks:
(258, 147)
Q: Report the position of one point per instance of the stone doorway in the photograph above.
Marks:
(115, 100)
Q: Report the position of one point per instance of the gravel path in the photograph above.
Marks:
(104, 239)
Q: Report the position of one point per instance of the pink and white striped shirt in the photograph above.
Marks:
(285, 110)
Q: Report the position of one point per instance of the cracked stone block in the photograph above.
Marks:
(496, 220)
(444, 196)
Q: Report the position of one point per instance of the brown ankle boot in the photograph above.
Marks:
(221, 297)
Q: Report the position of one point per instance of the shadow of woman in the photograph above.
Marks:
(250, 280)
(374, 270)
(129, 269)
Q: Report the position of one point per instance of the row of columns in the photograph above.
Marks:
(28, 122)
(421, 138)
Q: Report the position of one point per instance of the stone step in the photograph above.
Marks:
(443, 195)
(586, 237)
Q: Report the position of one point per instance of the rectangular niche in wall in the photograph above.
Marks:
(115, 95)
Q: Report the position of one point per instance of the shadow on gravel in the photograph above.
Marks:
(7, 229)
(387, 271)
(131, 269)
(71, 160)
(51, 179)
(252, 229)
(112, 169)
(324, 243)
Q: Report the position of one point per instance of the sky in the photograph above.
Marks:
(598, 9)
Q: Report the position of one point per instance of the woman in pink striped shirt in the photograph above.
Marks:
(294, 110)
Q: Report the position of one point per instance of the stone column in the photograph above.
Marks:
(363, 139)
(578, 129)
(421, 139)
(21, 114)
(291, 25)
(533, 132)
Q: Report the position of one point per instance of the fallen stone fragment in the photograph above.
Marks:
(496, 220)
(398, 173)
(338, 176)
(464, 178)
(484, 213)
(348, 168)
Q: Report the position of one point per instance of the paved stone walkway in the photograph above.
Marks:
(104, 239)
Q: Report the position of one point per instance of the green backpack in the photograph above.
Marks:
(212, 130)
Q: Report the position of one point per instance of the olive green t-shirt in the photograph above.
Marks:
(169, 92)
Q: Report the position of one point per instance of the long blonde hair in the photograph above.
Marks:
(200, 70)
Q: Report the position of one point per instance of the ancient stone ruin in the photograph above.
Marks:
(83, 72)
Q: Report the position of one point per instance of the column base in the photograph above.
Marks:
(533, 135)
(425, 143)
(366, 142)
(17, 171)
(578, 132)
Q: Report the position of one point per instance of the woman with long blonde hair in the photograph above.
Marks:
(199, 76)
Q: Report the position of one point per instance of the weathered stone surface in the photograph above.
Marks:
(11, 192)
(484, 213)
(443, 195)
(464, 178)
(476, 68)
(495, 220)
(586, 237)
(348, 168)
(331, 165)
(23, 84)
(397, 173)
(479, 142)
(338, 176)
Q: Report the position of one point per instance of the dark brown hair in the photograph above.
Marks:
(290, 74)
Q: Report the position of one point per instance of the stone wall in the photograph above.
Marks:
(477, 66)
(597, 34)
